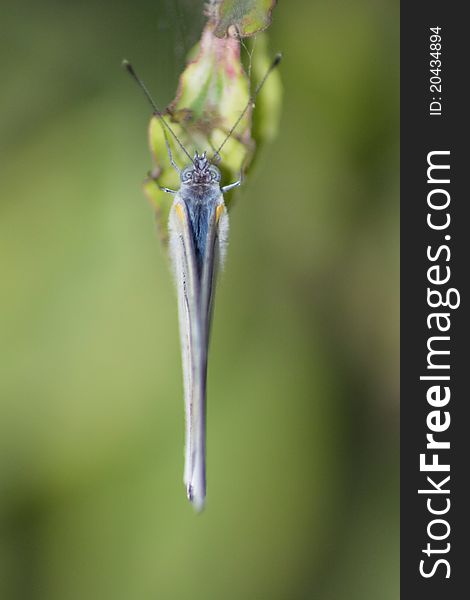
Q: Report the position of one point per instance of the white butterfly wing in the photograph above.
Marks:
(195, 291)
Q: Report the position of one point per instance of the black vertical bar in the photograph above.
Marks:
(422, 132)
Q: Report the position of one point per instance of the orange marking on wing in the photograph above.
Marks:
(180, 212)
(218, 211)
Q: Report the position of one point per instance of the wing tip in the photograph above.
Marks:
(196, 497)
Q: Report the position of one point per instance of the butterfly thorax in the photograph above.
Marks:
(200, 191)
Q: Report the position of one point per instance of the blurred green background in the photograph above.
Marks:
(303, 374)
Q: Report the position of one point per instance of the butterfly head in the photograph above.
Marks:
(201, 171)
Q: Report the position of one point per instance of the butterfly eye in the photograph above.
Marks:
(215, 174)
(186, 175)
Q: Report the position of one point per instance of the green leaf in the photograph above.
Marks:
(267, 112)
(242, 17)
(213, 92)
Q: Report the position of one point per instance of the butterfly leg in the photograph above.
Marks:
(151, 176)
(170, 155)
(230, 186)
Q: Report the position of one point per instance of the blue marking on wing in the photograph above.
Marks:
(200, 202)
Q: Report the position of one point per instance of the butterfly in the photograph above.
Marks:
(198, 237)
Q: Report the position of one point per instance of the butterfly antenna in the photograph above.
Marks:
(251, 101)
(156, 111)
